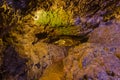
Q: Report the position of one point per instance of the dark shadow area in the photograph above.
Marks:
(13, 65)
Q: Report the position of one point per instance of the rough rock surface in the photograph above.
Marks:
(44, 57)
(106, 34)
(17, 67)
(97, 60)
(93, 61)
(14, 66)
(87, 49)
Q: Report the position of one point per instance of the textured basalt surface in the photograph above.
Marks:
(59, 40)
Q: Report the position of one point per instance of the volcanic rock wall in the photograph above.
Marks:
(59, 40)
